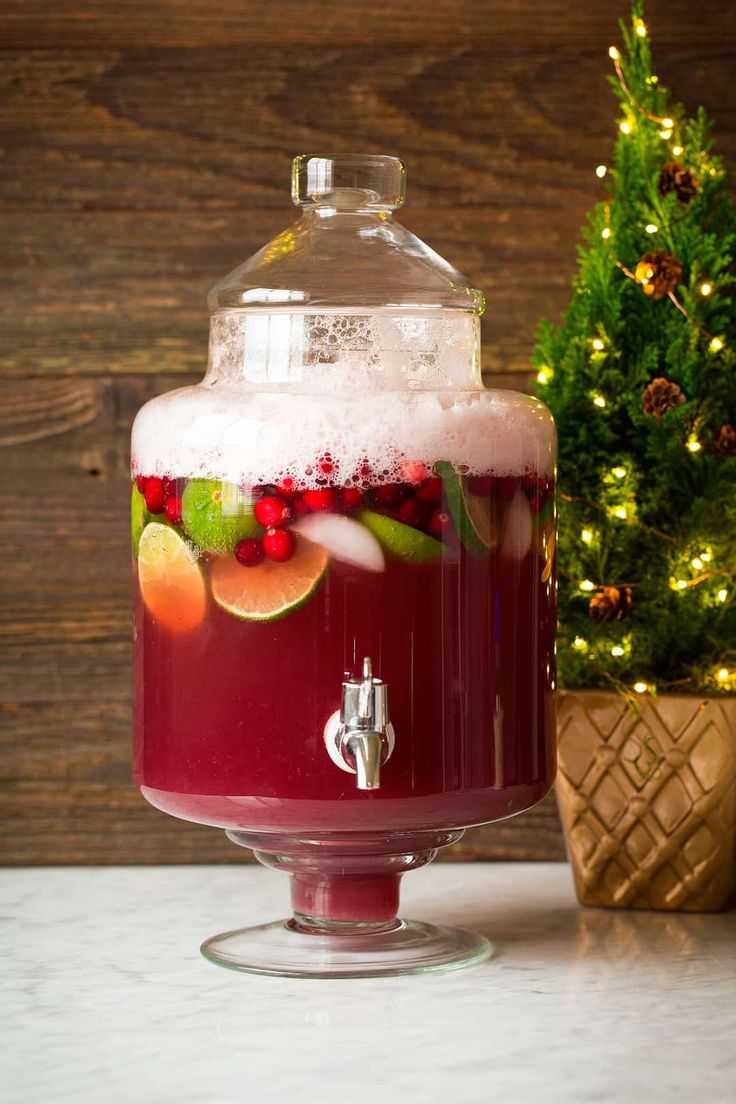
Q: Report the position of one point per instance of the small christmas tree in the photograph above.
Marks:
(640, 378)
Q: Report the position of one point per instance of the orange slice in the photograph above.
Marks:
(269, 590)
(171, 582)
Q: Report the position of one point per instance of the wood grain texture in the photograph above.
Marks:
(146, 150)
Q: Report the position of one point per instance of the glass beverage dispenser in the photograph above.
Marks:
(344, 581)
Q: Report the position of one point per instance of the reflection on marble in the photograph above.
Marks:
(106, 998)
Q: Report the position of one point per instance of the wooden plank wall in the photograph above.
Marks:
(145, 151)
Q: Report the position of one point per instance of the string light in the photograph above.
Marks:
(668, 123)
(641, 687)
(580, 644)
(693, 443)
(665, 134)
(697, 563)
(620, 512)
(606, 233)
(722, 594)
(601, 171)
(587, 585)
(706, 557)
(625, 127)
(617, 650)
(586, 536)
(641, 28)
(598, 345)
(613, 53)
(706, 288)
(677, 151)
(723, 674)
(544, 375)
(681, 584)
(618, 472)
(599, 401)
(716, 344)
(651, 228)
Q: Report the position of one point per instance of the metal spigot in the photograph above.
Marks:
(359, 736)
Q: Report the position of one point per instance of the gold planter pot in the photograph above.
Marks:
(647, 796)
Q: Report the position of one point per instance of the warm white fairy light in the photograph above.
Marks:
(617, 650)
(651, 228)
(618, 472)
(598, 345)
(586, 536)
(697, 563)
(624, 127)
(705, 288)
(641, 687)
(599, 401)
(606, 233)
(613, 53)
(723, 674)
(716, 344)
(620, 512)
(641, 28)
(706, 557)
(601, 171)
(587, 585)
(693, 444)
(665, 134)
(677, 151)
(668, 123)
(580, 644)
(722, 594)
(681, 584)
(543, 375)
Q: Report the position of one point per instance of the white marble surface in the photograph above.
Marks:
(106, 998)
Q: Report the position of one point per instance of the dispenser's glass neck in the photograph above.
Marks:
(349, 182)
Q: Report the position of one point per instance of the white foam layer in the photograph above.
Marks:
(226, 432)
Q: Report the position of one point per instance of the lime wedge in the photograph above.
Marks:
(270, 590)
(216, 515)
(473, 516)
(139, 517)
(171, 583)
(401, 540)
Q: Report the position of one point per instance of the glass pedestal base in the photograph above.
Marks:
(288, 949)
(345, 897)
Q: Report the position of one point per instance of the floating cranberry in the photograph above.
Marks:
(279, 544)
(481, 485)
(390, 494)
(154, 495)
(249, 552)
(172, 509)
(271, 511)
(140, 482)
(430, 490)
(413, 512)
(351, 498)
(413, 471)
(323, 499)
(439, 523)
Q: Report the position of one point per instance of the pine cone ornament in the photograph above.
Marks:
(674, 177)
(610, 603)
(725, 441)
(658, 273)
(660, 396)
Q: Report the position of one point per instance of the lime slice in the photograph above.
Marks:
(473, 516)
(270, 590)
(401, 540)
(216, 515)
(171, 583)
(139, 517)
